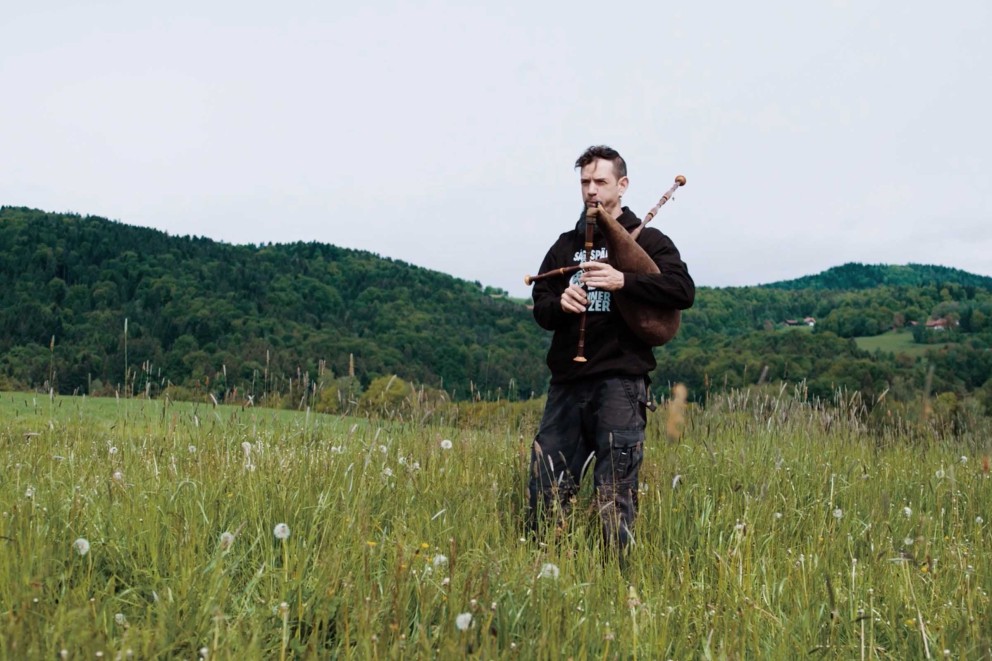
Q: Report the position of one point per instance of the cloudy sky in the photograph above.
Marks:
(443, 133)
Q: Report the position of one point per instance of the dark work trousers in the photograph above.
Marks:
(600, 423)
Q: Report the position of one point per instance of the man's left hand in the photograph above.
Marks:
(601, 276)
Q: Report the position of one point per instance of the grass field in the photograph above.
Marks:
(769, 528)
(897, 342)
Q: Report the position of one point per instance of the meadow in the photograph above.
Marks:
(770, 527)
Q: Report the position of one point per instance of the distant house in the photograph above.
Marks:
(941, 324)
(809, 321)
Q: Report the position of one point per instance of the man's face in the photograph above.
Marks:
(600, 184)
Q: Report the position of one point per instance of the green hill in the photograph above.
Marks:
(201, 312)
(89, 305)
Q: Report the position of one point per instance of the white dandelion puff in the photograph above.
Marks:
(29, 492)
(281, 531)
(446, 444)
(838, 514)
(191, 449)
(440, 561)
(964, 459)
(549, 570)
(907, 512)
(204, 652)
(676, 481)
(112, 451)
(778, 515)
(118, 476)
(463, 621)
(939, 474)
(446, 581)
(226, 540)
(979, 520)
(120, 620)
(81, 545)
(387, 472)
(908, 541)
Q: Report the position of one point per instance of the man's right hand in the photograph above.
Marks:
(574, 299)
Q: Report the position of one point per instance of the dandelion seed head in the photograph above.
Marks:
(908, 541)
(979, 520)
(191, 449)
(778, 515)
(283, 609)
(440, 560)
(81, 545)
(939, 474)
(549, 570)
(226, 540)
(838, 514)
(446, 444)
(964, 459)
(29, 492)
(112, 450)
(281, 531)
(463, 621)
(204, 652)
(120, 620)
(446, 581)
(118, 476)
(383, 449)
(387, 472)
(246, 448)
(907, 512)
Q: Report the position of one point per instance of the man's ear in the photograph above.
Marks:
(622, 184)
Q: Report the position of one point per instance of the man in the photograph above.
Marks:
(596, 410)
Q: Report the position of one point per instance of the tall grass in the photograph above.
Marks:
(770, 528)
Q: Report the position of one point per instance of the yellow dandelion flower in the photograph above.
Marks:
(371, 543)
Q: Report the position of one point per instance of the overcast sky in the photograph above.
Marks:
(443, 133)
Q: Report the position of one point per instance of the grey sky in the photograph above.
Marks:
(443, 133)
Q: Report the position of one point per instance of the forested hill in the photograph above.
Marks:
(868, 276)
(215, 318)
(204, 312)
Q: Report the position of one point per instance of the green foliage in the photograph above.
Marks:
(773, 528)
(258, 318)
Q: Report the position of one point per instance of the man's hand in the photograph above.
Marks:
(574, 299)
(601, 275)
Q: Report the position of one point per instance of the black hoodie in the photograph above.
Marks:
(611, 349)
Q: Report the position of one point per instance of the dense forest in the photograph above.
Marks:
(89, 305)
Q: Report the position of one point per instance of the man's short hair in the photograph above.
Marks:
(607, 154)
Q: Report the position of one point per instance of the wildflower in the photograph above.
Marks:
(446, 582)
(739, 527)
(387, 472)
(226, 539)
(939, 474)
(337, 449)
(907, 512)
(120, 620)
(778, 515)
(118, 476)
(29, 492)
(979, 520)
(908, 541)
(112, 450)
(283, 609)
(964, 459)
(676, 480)
(82, 546)
(463, 621)
(192, 449)
(445, 444)
(549, 570)
(838, 513)
(281, 531)
(383, 449)
(440, 560)
(204, 652)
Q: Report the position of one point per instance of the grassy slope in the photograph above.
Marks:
(897, 342)
(791, 530)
